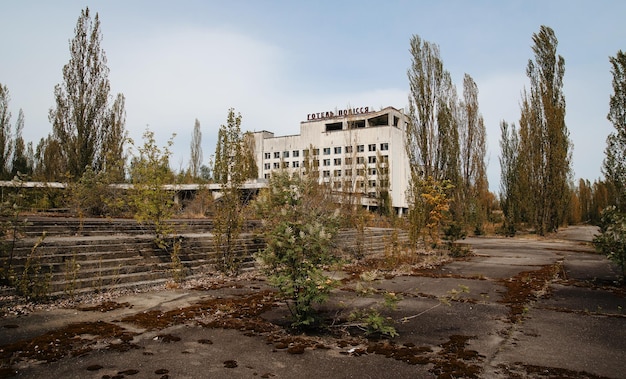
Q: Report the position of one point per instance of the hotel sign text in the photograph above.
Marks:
(341, 112)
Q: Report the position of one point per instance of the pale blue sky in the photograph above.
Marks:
(276, 61)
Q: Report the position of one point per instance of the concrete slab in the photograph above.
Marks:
(594, 344)
(194, 357)
(585, 300)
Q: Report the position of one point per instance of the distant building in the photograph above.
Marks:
(358, 152)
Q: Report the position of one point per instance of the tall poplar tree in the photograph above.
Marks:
(432, 137)
(5, 133)
(545, 147)
(112, 159)
(20, 163)
(430, 87)
(196, 151)
(472, 151)
(614, 165)
(81, 115)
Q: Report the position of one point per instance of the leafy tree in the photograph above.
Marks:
(614, 165)
(20, 161)
(150, 171)
(612, 239)
(113, 159)
(431, 88)
(509, 178)
(234, 164)
(545, 147)
(49, 161)
(473, 150)
(81, 119)
(5, 134)
(432, 140)
(196, 151)
(299, 225)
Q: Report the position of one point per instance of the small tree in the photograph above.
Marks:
(299, 224)
(234, 164)
(612, 240)
(150, 171)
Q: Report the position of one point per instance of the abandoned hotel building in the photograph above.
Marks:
(356, 151)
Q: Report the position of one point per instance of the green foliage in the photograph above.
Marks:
(92, 195)
(10, 228)
(614, 165)
(234, 164)
(452, 233)
(429, 208)
(33, 282)
(612, 240)
(83, 124)
(299, 225)
(178, 270)
(72, 267)
(373, 323)
(152, 203)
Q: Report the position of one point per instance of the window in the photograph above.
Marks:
(348, 172)
(360, 172)
(268, 155)
(360, 148)
(337, 162)
(371, 159)
(372, 171)
(349, 160)
(326, 162)
(337, 150)
(326, 150)
(385, 158)
(371, 147)
(295, 164)
(285, 154)
(316, 151)
(348, 149)
(296, 153)
(267, 166)
(371, 183)
(276, 165)
(337, 173)
(276, 154)
(360, 160)
(334, 126)
(285, 164)
(266, 176)
(326, 173)
(337, 185)
(305, 153)
(384, 146)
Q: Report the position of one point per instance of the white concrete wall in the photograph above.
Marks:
(282, 149)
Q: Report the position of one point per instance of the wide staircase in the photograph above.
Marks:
(68, 256)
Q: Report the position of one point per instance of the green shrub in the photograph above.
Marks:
(612, 240)
(299, 224)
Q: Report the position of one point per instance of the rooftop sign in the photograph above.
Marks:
(341, 113)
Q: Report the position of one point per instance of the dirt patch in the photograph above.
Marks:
(73, 340)
(526, 286)
(106, 306)
(216, 312)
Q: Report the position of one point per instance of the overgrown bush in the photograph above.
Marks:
(612, 240)
(299, 225)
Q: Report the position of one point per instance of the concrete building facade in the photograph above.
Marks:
(356, 151)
